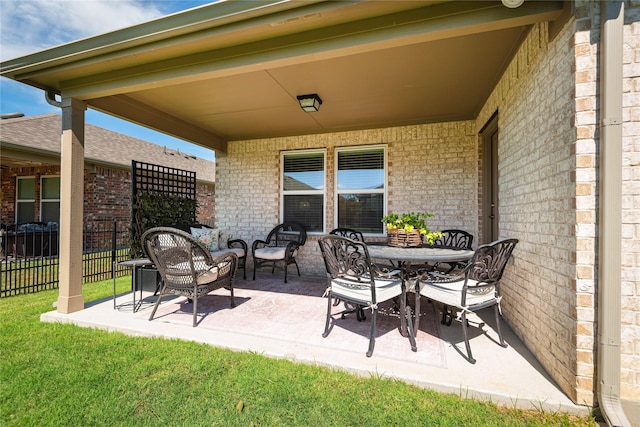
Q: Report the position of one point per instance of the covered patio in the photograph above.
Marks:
(504, 122)
(286, 321)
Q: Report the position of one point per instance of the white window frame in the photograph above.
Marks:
(322, 192)
(383, 191)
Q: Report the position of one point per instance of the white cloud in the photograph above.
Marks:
(33, 25)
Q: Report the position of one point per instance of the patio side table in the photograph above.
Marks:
(136, 265)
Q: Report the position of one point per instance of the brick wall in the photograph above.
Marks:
(547, 101)
(432, 168)
(538, 181)
(107, 194)
(206, 205)
(8, 180)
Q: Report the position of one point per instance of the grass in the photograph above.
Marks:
(64, 375)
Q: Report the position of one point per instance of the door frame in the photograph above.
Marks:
(489, 189)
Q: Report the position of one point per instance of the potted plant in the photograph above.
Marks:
(409, 229)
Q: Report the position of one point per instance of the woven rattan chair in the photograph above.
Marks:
(280, 247)
(476, 287)
(352, 278)
(237, 246)
(187, 267)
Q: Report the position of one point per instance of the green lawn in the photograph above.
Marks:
(63, 375)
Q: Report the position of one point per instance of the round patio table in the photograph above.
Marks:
(422, 254)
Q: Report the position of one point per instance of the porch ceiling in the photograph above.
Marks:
(232, 70)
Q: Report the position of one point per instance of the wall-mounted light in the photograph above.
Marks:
(512, 4)
(310, 103)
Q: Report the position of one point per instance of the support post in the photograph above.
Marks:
(70, 298)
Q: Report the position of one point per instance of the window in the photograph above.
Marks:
(360, 188)
(25, 199)
(303, 188)
(50, 199)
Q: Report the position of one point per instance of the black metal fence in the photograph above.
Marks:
(29, 255)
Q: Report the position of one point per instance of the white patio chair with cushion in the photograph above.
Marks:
(280, 247)
(352, 278)
(476, 287)
(187, 267)
(356, 235)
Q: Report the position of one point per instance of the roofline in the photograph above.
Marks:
(53, 157)
(163, 29)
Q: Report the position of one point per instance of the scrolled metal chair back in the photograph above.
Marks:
(345, 257)
(456, 239)
(490, 260)
(349, 233)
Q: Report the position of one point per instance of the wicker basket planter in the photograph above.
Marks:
(400, 238)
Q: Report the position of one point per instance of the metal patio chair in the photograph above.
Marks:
(280, 246)
(187, 267)
(476, 287)
(453, 239)
(352, 277)
(349, 233)
(352, 234)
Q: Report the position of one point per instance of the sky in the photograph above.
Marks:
(29, 26)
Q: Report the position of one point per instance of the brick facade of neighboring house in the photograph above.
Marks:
(547, 104)
(107, 175)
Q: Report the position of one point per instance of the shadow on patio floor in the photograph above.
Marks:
(287, 320)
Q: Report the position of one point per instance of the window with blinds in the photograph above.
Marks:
(303, 186)
(360, 188)
(50, 199)
(25, 199)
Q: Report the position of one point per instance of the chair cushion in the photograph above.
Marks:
(207, 276)
(210, 237)
(451, 293)
(360, 292)
(237, 251)
(273, 253)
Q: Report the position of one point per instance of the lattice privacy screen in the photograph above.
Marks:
(160, 196)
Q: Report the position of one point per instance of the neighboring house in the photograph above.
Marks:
(520, 123)
(30, 178)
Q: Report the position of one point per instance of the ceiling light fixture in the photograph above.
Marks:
(512, 4)
(310, 103)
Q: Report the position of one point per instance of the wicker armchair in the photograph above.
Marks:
(187, 267)
(280, 246)
(353, 278)
(237, 246)
(476, 287)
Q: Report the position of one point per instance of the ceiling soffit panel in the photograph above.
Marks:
(414, 26)
(406, 85)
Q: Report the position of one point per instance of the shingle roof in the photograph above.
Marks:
(102, 146)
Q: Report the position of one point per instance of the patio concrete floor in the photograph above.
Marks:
(287, 320)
